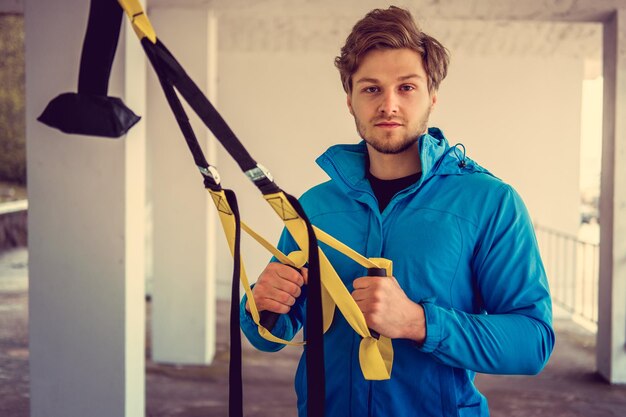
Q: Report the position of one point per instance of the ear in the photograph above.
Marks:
(349, 103)
(433, 100)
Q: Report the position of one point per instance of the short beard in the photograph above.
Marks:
(392, 149)
(389, 148)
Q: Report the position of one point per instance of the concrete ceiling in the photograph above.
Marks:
(546, 10)
(516, 27)
(503, 27)
(276, 32)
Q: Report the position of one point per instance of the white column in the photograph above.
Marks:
(183, 227)
(86, 211)
(611, 338)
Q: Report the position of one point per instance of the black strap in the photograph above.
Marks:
(179, 112)
(101, 37)
(199, 103)
(314, 320)
(315, 372)
(172, 75)
(235, 386)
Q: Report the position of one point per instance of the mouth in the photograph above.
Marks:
(388, 125)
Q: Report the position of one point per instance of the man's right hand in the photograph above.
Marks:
(278, 287)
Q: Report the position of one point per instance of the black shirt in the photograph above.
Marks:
(384, 190)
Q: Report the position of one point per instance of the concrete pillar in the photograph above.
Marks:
(184, 226)
(86, 227)
(611, 338)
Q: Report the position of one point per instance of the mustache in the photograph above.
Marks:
(396, 119)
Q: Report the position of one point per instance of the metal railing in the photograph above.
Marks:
(572, 267)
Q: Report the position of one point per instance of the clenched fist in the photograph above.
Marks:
(278, 287)
(388, 310)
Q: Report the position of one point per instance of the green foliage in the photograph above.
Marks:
(12, 112)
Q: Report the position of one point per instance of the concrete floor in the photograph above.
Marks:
(567, 387)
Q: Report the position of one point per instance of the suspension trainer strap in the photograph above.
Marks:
(167, 71)
(226, 204)
(179, 114)
(295, 259)
(376, 354)
(314, 348)
(201, 106)
(221, 198)
(235, 387)
(372, 350)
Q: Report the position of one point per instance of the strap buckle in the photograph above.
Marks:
(258, 173)
(211, 172)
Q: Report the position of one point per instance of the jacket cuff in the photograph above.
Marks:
(246, 317)
(251, 329)
(433, 326)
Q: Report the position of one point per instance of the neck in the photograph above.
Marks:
(392, 166)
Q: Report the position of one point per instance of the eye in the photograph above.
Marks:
(371, 89)
(407, 87)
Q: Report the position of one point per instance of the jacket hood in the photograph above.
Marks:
(346, 163)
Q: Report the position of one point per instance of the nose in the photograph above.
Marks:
(389, 103)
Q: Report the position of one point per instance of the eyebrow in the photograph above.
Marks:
(375, 81)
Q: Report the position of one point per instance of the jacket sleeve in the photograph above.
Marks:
(513, 334)
(288, 324)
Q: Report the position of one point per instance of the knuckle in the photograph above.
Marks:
(376, 307)
(295, 290)
(284, 298)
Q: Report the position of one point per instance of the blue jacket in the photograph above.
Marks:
(463, 246)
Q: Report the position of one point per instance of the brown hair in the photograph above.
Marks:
(393, 28)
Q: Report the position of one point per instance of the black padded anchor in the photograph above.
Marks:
(91, 111)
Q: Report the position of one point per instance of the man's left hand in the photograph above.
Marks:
(388, 310)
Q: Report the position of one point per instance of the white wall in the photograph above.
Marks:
(519, 116)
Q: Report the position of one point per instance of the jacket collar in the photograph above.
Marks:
(345, 163)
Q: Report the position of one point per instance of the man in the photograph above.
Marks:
(469, 292)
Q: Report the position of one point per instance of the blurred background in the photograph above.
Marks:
(524, 95)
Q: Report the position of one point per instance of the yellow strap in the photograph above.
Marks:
(228, 224)
(346, 250)
(375, 355)
(138, 18)
(282, 258)
(296, 259)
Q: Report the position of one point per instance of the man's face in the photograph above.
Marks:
(390, 100)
